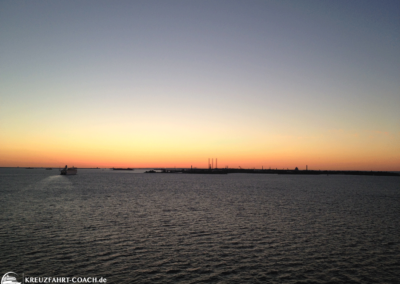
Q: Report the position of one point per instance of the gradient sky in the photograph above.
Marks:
(172, 83)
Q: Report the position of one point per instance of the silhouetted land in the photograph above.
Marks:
(276, 171)
(251, 171)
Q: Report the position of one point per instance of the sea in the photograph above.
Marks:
(132, 227)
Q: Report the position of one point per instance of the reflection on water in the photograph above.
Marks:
(237, 228)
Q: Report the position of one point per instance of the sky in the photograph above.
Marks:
(272, 84)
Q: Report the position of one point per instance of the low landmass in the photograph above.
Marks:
(274, 171)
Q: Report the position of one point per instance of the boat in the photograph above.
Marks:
(69, 171)
(122, 169)
(49, 169)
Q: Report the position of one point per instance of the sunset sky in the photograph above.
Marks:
(278, 84)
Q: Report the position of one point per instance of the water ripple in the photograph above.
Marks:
(201, 229)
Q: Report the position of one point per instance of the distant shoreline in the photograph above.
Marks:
(235, 170)
(280, 172)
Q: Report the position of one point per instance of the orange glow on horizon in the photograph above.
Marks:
(335, 150)
(90, 160)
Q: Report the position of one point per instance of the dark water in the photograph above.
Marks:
(176, 228)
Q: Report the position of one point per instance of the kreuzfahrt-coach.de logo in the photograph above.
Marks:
(10, 278)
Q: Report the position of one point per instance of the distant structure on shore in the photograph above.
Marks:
(211, 165)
